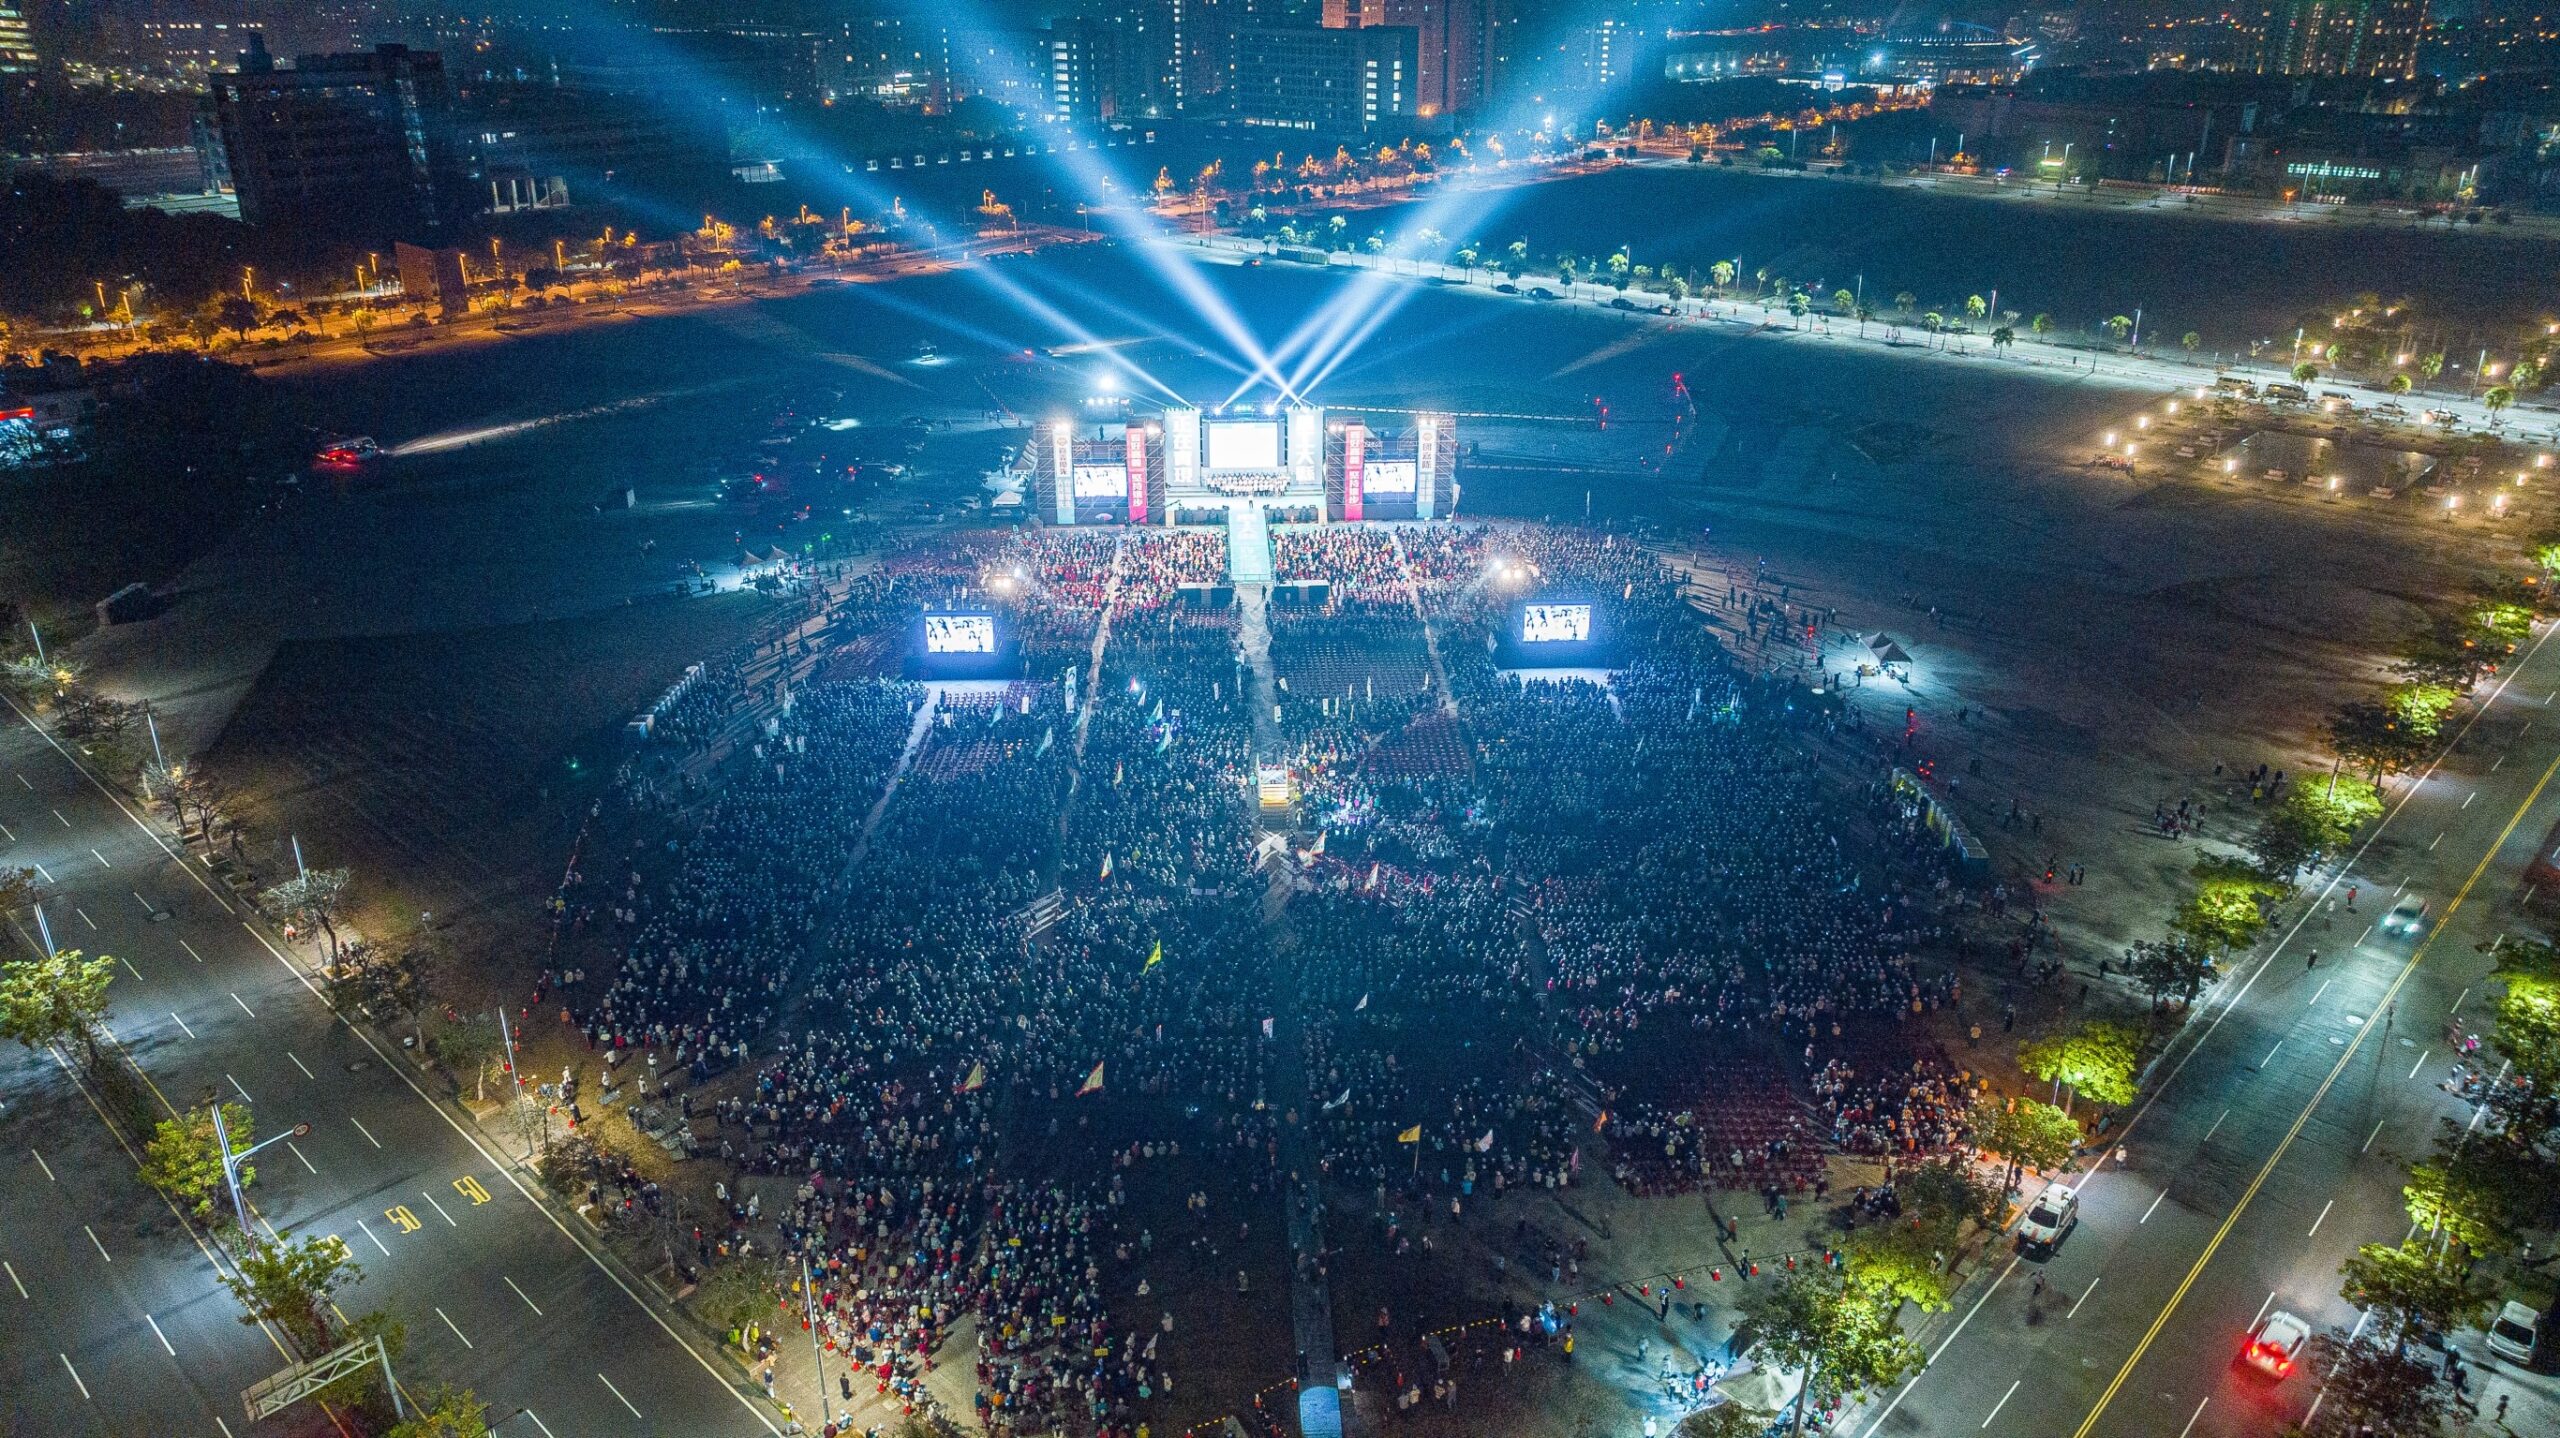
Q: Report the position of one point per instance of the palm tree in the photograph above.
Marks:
(1903, 300)
(1843, 302)
(1796, 303)
(1722, 272)
(1974, 308)
(2498, 398)
(1466, 259)
(2003, 337)
(2399, 384)
(1336, 226)
(2431, 365)
(2305, 372)
(2189, 341)
(2119, 326)
(2041, 324)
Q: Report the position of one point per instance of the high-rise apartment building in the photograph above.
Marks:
(17, 41)
(2340, 37)
(358, 145)
(1330, 80)
(1449, 46)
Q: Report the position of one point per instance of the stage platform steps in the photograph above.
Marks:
(1248, 545)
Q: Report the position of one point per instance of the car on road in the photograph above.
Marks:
(1542, 293)
(1506, 289)
(1666, 309)
(2514, 1333)
(2049, 1217)
(2275, 1343)
(1622, 303)
(2406, 917)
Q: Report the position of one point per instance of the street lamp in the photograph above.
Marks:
(231, 1162)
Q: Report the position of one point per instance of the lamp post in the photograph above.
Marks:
(231, 1162)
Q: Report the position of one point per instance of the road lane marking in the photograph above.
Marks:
(244, 1093)
(600, 1378)
(2003, 1403)
(646, 1309)
(129, 968)
(2423, 1055)
(101, 858)
(2323, 1218)
(2270, 1058)
(2438, 839)
(84, 918)
(14, 1283)
(377, 1238)
(520, 1293)
(65, 822)
(360, 1128)
(47, 873)
(297, 1063)
(75, 1377)
(1943, 1345)
(470, 1187)
(439, 1208)
(2369, 1138)
(2262, 1309)
(538, 1423)
(2192, 1417)
(297, 1153)
(2458, 998)
(2083, 1298)
(5, 829)
(191, 951)
(244, 1005)
(93, 1239)
(156, 1333)
(2217, 1124)
(404, 1218)
(2467, 798)
(181, 1023)
(149, 833)
(2494, 767)
(2155, 1206)
(40, 1163)
(457, 1328)
(2302, 1119)
(145, 903)
(22, 780)
(2324, 988)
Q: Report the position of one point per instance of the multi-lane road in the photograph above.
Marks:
(111, 1319)
(2274, 1138)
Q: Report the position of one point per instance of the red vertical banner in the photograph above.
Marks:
(1355, 436)
(1137, 474)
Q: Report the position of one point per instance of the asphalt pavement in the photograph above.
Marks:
(2274, 1137)
(120, 1325)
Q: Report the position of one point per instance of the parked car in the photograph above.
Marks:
(2049, 1217)
(2514, 1334)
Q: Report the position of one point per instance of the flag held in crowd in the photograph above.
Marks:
(1092, 1082)
(1411, 1135)
(977, 1078)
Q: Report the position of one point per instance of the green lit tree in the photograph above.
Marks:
(1843, 1338)
(62, 999)
(312, 899)
(2096, 1060)
(289, 1283)
(2413, 1288)
(2024, 1134)
(183, 1159)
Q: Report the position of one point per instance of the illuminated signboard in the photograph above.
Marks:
(1553, 623)
(959, 634)
(1101, 481)
(1244, 444)
(1388, 476)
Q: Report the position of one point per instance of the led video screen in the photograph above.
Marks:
(1391, 477)
(1244, 444)
(1555, 623)
(1101, 481)
(959, 634)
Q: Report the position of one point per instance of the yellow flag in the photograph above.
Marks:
(976, 1080)
(1156, 957)
(1092, 1082)
(1411, 1135)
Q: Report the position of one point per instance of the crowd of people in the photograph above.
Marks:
(1003, 960)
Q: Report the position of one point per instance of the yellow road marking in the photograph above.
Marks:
(2389, 996)
(470, 1188)
(403, 1219)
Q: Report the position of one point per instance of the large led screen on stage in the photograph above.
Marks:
(1244, 444)
(1553, 623)
(1392, 476)
(1102, 481)
(959, 634)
